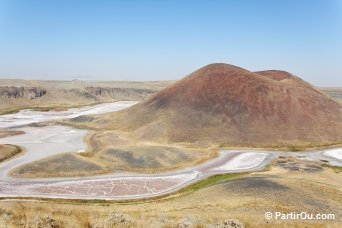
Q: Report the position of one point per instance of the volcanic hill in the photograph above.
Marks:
(224, 104)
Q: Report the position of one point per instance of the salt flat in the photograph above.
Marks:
(45, 141)
(334, 153)
(108, 188)
(28, 116)
(42, 142)
(243, 161)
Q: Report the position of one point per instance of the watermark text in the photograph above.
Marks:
(277, 215)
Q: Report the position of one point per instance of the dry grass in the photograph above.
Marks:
(66, 94)
(110, 152)
(245, 198)
(8, 151)
(59, 166)
(6, 133)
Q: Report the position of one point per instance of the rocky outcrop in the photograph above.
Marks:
(127, 92)
(113, 92)
(117, 220)
(229, 223)
(21, 92)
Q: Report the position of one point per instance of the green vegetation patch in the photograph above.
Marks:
(294, 148)
(212, 180)
(337, 169)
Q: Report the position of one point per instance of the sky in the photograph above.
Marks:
(166, 40)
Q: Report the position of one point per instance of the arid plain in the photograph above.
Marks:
(176, 126)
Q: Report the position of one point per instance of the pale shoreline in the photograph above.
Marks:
(60, 139)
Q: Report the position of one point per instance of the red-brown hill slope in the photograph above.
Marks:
(224, 104)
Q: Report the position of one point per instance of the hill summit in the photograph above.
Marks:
(225, 104)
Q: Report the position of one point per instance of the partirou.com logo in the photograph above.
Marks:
(277, 215)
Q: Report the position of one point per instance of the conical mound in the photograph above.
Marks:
(224, 104)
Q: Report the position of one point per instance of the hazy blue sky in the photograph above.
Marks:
(159, 40)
